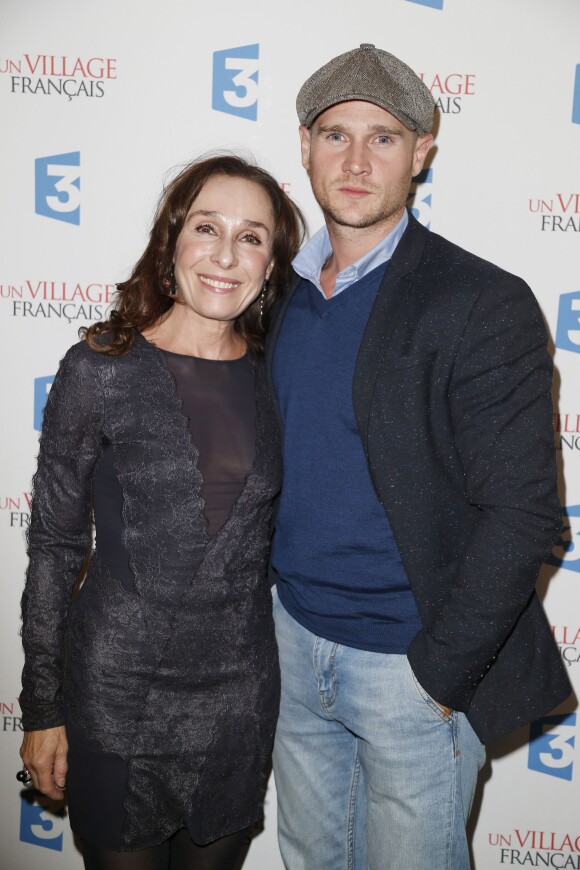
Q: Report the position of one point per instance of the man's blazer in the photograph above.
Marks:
(452, 396)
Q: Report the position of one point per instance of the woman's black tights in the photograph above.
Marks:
(177, 853)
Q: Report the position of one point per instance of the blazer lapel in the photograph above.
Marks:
(397, 281)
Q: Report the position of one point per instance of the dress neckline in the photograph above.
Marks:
(202, 359)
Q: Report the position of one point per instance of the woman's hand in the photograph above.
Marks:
(44, 754)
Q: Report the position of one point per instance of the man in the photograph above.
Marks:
(419, 498)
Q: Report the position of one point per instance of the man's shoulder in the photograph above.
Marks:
(452, 262)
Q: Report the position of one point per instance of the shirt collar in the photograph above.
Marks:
(310, 260)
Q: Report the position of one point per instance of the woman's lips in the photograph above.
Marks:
(218, 285)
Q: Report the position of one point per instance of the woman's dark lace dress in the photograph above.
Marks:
(218, 399)
(171, 676)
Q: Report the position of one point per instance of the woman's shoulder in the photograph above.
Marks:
(81, 362)
(81, 353)
(95, 355)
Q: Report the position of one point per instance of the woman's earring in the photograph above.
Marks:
(170, 284)
(262, 298)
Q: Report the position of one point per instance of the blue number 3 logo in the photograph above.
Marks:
(235, 81)
(552, 745)
(58, 187)
(40, 826)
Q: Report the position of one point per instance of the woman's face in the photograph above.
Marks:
(224, 251)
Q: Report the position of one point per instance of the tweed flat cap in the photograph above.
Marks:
(368, 73)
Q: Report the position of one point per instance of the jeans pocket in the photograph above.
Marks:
(430, 702)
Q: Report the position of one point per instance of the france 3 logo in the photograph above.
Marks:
(235, 81)
(433, 4)
(58, 187)
(568, 328)
(566, 552)
(40, 824)
(41, 390)
(576, 97)
(419, 198)
(552, 742)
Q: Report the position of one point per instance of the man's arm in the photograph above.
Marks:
(500, 402)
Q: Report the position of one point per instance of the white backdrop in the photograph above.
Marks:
(99, 100)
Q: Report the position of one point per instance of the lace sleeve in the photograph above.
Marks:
(58, 536)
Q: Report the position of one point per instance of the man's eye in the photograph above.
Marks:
(383, 139)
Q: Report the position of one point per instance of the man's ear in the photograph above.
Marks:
(422, 146)
(304, 145)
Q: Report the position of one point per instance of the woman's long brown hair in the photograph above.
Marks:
(143, 298)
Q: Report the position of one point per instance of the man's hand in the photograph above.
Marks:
(44, 754)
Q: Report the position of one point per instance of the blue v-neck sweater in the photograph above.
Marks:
(340, 572)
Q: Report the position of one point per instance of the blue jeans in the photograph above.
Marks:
(370, 773)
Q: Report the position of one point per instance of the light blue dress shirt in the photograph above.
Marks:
(309, 262)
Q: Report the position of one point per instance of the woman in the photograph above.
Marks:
(155, 691)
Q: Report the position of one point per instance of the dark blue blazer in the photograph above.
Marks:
(452, 396)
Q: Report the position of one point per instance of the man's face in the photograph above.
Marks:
(361, 160)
